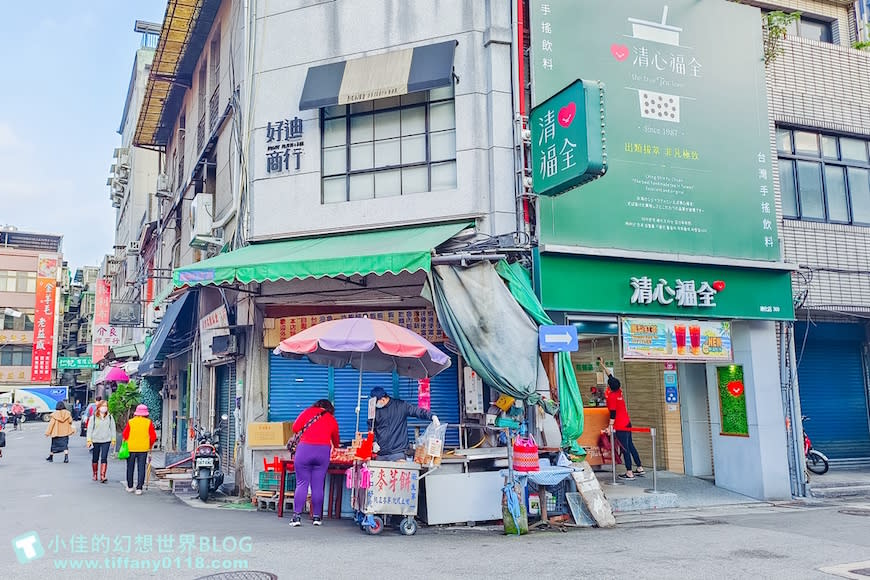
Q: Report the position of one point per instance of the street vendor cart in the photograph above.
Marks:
(385, 488)
(378, 488)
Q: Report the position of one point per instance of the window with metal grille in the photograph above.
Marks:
(389, 147)
(202, 102)
(824, 177)
(214, 82)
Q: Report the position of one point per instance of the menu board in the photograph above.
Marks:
(674, 339)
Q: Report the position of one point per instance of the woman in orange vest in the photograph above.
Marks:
(140, 437)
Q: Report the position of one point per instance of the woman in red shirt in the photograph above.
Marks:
(619, 422)
(311, 461)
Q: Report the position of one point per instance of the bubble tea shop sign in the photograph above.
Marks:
(568, 138)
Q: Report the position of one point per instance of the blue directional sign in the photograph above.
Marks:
(557, 338)
(671, 394)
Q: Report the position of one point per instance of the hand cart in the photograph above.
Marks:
(384, 488)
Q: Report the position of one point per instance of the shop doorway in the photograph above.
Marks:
(183, 403)
(695, 418)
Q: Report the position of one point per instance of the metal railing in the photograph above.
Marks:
(213, 113)
(200, 133)
(652, 432)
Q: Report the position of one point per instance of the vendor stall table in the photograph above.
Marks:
(336, 474)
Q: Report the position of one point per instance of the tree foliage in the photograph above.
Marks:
(776, 25)
(122, 403)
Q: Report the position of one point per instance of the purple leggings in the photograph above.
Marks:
(311, 464)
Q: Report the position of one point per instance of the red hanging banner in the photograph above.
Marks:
(43, 329)
(102, 306)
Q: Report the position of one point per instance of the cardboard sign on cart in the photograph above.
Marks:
(395, 488)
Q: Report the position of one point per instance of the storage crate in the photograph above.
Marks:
(269, 481)
(556, 496)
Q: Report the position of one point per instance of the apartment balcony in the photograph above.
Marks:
(822, 85)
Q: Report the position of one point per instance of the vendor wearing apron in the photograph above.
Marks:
(391, 424)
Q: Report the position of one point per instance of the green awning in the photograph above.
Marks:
(375, 252)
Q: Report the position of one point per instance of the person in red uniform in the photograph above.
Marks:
(619, 422)
(311, 460)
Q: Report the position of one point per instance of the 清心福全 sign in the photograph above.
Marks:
(567, 139)
(284, 145)
(689, 161)
(676, 340)
(684, 293)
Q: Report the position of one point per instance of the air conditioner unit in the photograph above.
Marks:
(225, 344)
(133, 248)
(201, 214)
(123, 172)
(118, 187)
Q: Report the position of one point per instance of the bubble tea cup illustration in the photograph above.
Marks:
(680, 338)
(695, 338)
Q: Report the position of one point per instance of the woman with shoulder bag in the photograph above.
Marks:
(315, 434)
(59, 429)
(101, 435)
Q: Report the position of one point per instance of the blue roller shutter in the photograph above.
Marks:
(346, 388)
(833, 393)
(293, 386)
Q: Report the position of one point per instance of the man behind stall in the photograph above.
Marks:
(391, 424)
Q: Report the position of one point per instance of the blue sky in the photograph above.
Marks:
(65, 67)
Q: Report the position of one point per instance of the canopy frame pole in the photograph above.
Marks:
(359, 391)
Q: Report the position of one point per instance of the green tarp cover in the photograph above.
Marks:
(570, 402)
(490, 328)
(375, 252)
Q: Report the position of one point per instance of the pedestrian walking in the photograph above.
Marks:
(317, 432)
(77, 410)
(140, 437)
(4, 414)
(101, 436)
(620, 422)
(89, 412)
(60, 427)
(17, 414)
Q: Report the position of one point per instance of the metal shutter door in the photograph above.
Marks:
(833, 395)
(293, 386)
(225, 381)
(345, 390)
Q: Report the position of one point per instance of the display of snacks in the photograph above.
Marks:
(423, 456)
(342, 455)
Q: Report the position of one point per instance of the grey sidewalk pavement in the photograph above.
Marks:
(61, 505)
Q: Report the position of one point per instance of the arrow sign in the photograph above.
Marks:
(553, 338)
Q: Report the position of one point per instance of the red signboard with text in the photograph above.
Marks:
(102, 306)
(43, 329)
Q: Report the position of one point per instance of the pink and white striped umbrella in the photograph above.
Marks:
(367, 344)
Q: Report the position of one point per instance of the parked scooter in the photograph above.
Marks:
(207, 475)
(816, 460)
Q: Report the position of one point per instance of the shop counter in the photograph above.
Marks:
(595, 420)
